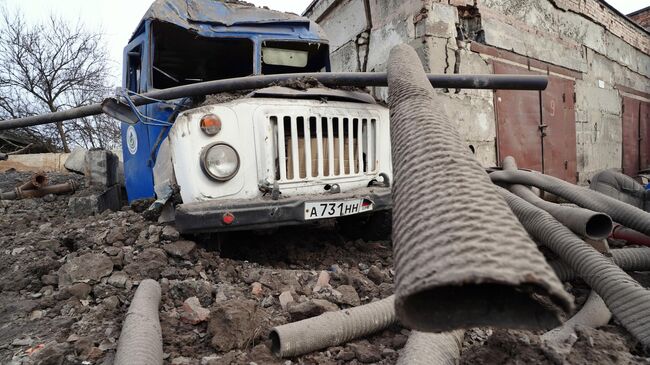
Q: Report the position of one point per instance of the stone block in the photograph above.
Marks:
(101, 168)
(76, 162)
(110, 199)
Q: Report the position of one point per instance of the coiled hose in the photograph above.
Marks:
(584, 222)
(141, 338)
(432, 348)
(619, 211)
(628, 259)
(628, 301)
(461, 258)
(332, 328)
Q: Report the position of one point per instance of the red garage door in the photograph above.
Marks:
(538, 128)
(636, 136)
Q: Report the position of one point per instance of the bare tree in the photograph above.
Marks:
(49, 66)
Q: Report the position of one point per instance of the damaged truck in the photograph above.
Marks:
(269, 157)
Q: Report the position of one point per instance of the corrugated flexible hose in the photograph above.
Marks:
(462, 259)
(141, 338)
(625, 298)
(332, 328)
(432, 348)
(628, 259)
(619, 211)
(586, 223)
(593, 314)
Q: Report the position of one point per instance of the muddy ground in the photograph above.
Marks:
(66, 283)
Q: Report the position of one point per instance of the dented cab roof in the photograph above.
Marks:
(211, 17)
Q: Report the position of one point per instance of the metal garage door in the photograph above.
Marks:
(636, 136)
(538, 128)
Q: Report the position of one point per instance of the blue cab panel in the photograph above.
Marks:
(147, 64)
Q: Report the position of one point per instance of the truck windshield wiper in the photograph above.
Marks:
(166, 74)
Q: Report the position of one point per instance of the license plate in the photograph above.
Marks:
(318, 210)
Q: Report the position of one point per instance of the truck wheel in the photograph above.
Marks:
(369, 227)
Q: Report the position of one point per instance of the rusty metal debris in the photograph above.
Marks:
(37, 187)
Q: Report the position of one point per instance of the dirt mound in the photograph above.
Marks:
(66, 283)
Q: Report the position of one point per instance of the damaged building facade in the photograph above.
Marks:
(594, 115)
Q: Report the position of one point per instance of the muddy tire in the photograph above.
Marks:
(369, 227)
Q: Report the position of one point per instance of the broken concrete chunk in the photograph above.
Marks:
(88, 268)
(365, 352)
(256, 289)
(83, 206)
(78, 290)
(285, 298)
(310, 308)
(180, 248)
(348, 296)
(193, 312)
(323, 281)
(375, 274)
(170, 233)
(118, 279)
(100, 168)
(76, 161)
(235, 324)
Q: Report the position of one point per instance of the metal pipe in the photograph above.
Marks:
(631, 236)
(20, 193)
(36, 181)
(432, 348)
(586, 223)
(362, 79)
(626, 298)
(141, 338)
(619, 211)
(593, 314)
(63, 188)
(461, 257)
(332, 328)
(628, 259)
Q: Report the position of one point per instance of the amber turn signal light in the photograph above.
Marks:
(210, 124)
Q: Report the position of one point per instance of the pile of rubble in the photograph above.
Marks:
(66, 283)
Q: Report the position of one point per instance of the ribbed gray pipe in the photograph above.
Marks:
(141, 338)
(332, 328)
(424, 348)
(620, 212)
(593, 314)
(628, 301)
(461, 258)
(628, 259)
(584, 222)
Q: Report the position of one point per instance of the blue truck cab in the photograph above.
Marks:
(179, 42)
(275, 156)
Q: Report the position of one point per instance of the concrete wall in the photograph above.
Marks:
(48, 162)
(36, 162)
(581, 40)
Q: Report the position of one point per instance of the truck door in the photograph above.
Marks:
(135, 138)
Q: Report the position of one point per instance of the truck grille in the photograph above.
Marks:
(316, 147)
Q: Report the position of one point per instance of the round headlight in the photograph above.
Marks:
(220, 161)
(210, 124)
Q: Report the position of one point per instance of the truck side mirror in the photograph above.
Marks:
(122, 112)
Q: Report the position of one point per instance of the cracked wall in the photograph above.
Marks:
(558, 35)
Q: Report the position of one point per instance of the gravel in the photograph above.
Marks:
(66, 283)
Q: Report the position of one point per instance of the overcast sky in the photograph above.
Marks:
(118, 18)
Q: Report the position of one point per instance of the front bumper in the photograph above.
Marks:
(264, 213)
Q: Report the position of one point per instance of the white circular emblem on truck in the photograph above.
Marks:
(132, 140)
